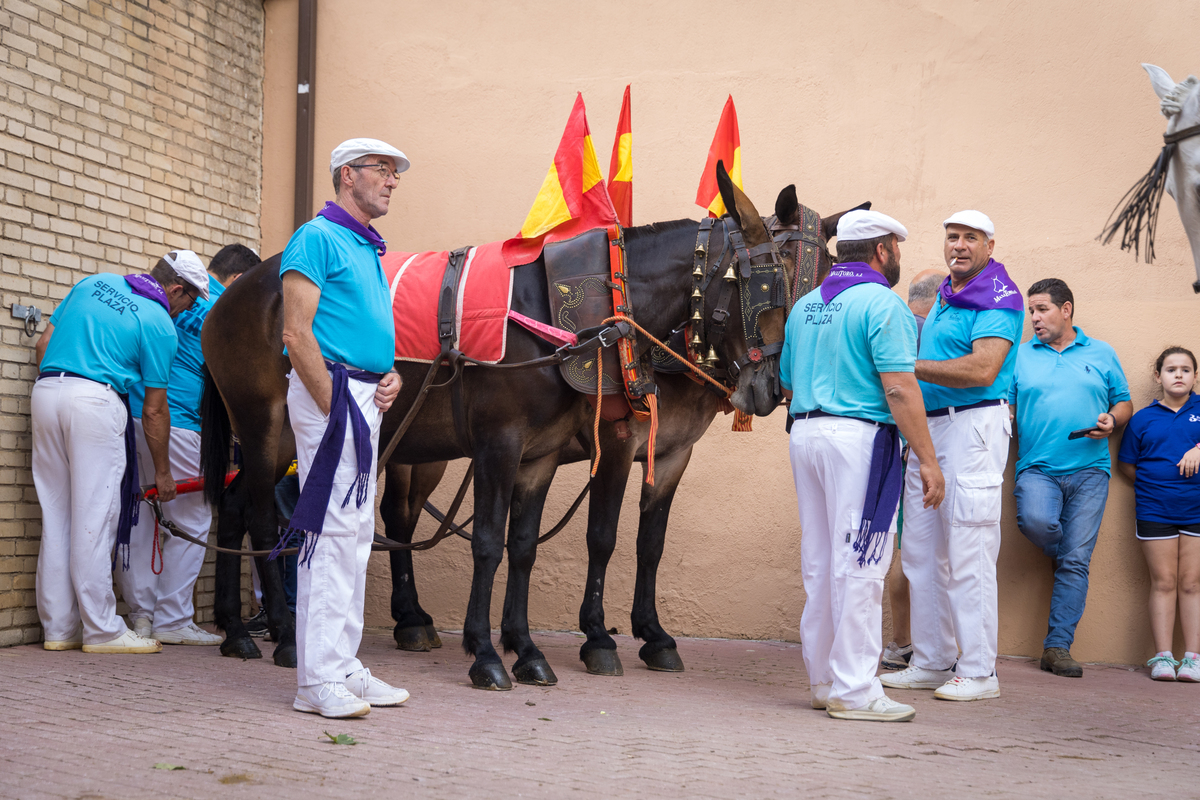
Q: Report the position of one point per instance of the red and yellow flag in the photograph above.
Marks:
(726, 146)
(620, 169)
(572, 199)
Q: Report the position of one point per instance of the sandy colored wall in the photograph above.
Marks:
(1036, 113)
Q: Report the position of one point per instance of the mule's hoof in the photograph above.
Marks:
(435, 641)
(603, 662)
(667, 660)
(535, 672)
(490, 676)
(240, 648)
(285, 656)
(414, 640)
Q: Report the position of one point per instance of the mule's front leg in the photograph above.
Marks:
(227, 599)
(599, 652)
(494, 475)
(405, 491)
(659, 651)
(525, 520)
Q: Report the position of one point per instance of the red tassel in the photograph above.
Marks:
(742, 422)
(652, 401)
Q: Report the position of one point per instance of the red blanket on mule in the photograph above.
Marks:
(484, 295)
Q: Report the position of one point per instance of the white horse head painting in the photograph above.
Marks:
(1177, 170)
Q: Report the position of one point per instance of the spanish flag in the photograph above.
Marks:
(726, 146)
(572, 199)
(620, 169)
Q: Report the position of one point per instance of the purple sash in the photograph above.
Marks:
(309, 517)
(340, 216)
(145, 286)
(883, 495)
(990, 289)
(843, 276)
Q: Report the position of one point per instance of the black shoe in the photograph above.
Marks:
(1058, 660)
(256, 626)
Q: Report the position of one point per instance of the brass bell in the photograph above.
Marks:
(710, 360)
(696, 341)
(697, 272)
(696, 316)
(696, 293)
(730, 275)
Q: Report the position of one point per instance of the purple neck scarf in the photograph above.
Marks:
(843, 276)
(145, 286)
(884, 483)
(340, 216)
(990, 289)
(308, 519)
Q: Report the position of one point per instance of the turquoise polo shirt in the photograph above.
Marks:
(950, 332)
(833, 354)
(105, 332)
(353, 323)
(1055, 393)
(187, 372)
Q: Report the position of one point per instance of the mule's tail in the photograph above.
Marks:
(216, 434)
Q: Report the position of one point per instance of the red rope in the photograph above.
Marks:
(652, 401)
(599, 401)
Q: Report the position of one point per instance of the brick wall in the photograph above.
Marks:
(127, 130)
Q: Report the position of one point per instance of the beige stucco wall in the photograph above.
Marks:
(1036, 113)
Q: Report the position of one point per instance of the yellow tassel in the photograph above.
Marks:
(742, 422)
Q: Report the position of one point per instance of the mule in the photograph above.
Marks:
(515, 423)
(687, 410)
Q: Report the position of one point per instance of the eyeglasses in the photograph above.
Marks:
(383, 169)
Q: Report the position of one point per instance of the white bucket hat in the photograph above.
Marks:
(857, 226)
(973, 219)
(351, 149)
(188, 266)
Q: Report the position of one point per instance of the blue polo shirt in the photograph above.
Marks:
(1056, 393)
(187, 371)
(1155, 439)
(105, 332)
(353, 323)
(950, 332)
(833, 354)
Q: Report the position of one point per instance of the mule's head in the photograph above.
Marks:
(1180, 104)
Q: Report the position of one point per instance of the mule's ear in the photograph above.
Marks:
(740, 208)
(787, 207)
(829, 224)
(1160, 80)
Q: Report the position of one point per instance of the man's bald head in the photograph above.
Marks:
(923, 290)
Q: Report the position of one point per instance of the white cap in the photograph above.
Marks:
(856, 226)
(973, 219)
(351, 149)
(188, 266)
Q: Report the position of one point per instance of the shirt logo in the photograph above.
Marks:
(1087, 368)
(1001, 289)
(1193, 418)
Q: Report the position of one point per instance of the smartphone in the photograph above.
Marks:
(1079, 434)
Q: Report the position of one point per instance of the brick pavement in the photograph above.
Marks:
(736, 724)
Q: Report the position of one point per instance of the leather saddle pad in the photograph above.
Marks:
(577, 275)
(484, 297)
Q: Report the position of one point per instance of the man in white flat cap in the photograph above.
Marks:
(338, 330)
(158, 584)
(847, 364)
(109, 333)
(965, 367)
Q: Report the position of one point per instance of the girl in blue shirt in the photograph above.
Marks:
(1160, 452)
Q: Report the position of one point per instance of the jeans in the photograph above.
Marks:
(1061, 514)
(287, 494)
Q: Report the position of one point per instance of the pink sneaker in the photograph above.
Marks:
(1189, 668)
(1162, 667)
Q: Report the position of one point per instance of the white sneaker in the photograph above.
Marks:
(330, 700)
(73, 643)
(127, 642)
(881, 709)
(364, 685)
(820, 695)
(895, 656)
(916, 678)
(1189, 668)
(188, 634)
(969, 689)
(1162, 667)
(142, 626)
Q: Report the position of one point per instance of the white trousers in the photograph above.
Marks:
(949, 554)
(166, 598)
(840, 629)
(78, 461)
(330, 593)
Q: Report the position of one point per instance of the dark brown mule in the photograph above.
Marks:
(516, 422)
(688, 409)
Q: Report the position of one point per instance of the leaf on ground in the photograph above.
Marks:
(341, 738)
(162, 765)
(529, 703)
(545, 719)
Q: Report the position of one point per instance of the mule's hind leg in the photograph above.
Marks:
(227, 599)
(599, 652)
(525, 519)
(659, 651)
(404, 494)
